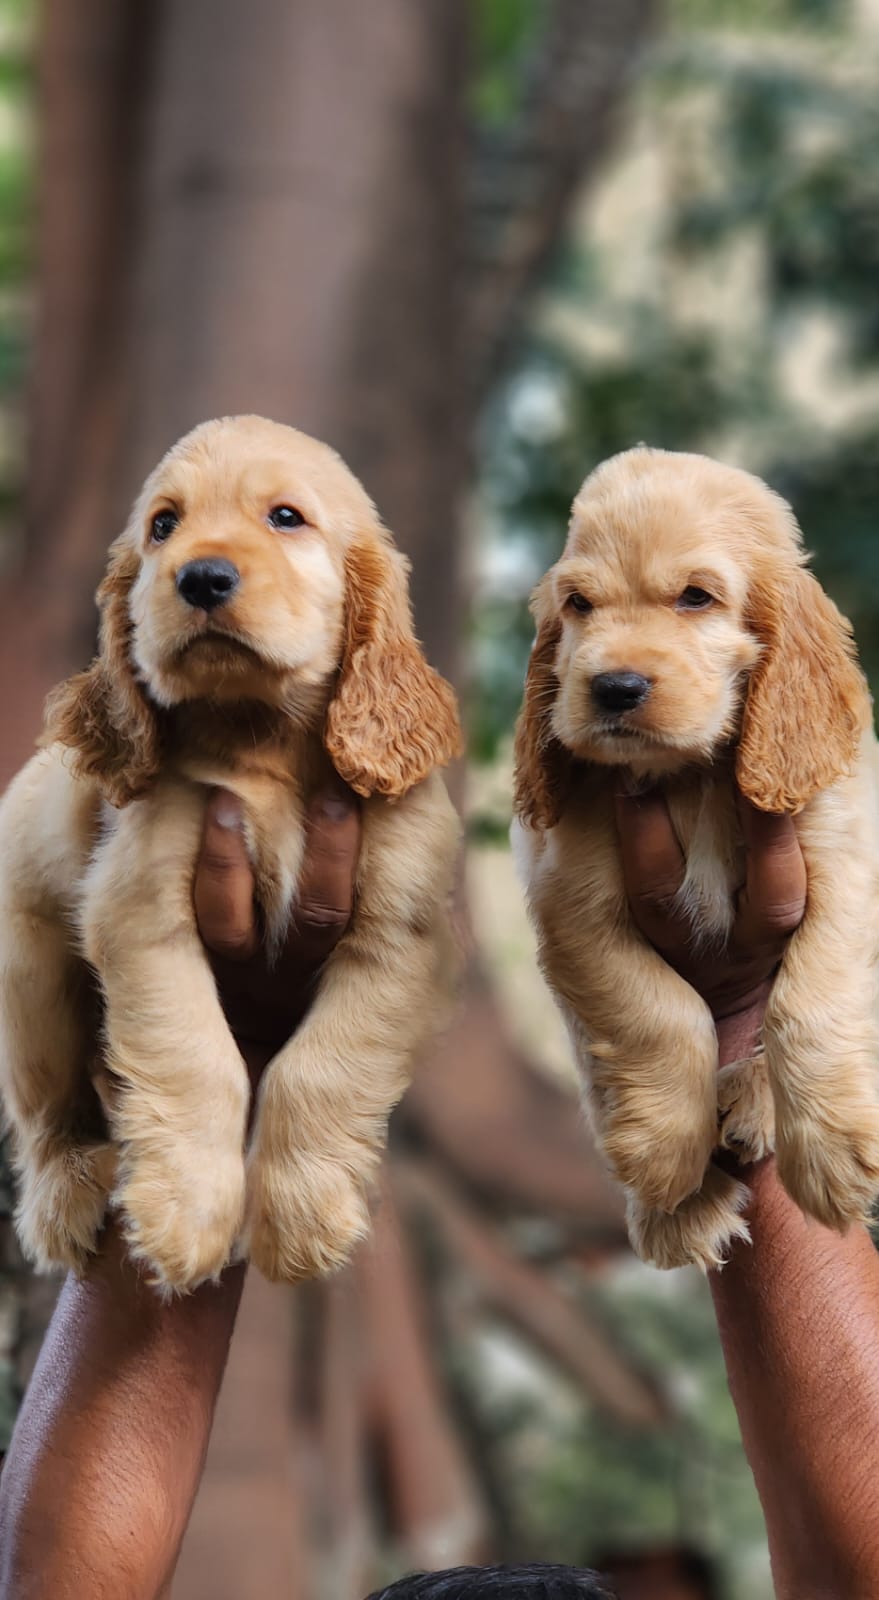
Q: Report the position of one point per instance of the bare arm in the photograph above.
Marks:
(107, 1454)
(798, 1311)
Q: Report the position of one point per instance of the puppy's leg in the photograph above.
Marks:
(704, 1226)
(181, 1086)
(822, 1050)
(746, 1108)
(820, 1030)
(647, 1048)
(65, 1169)
(324, 1100)
(699, 1233)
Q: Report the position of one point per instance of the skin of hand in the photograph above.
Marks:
(798, 1309)
(733, 980)
(126, 1383)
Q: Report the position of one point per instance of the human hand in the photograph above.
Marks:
(734, 980)
(263, 1003)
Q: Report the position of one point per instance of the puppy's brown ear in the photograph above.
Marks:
(542, 764)
(807, 702)
(392, 719)
(103, 714)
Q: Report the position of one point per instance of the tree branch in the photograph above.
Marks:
(526, 179)
(528, 1298)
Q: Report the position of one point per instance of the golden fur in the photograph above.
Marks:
(312, 661)
(759, 687)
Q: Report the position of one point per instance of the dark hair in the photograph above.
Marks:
(540, 1581)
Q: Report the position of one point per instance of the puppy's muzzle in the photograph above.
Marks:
(207, 584)
(617, 692)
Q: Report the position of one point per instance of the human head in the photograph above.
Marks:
(536, 1581)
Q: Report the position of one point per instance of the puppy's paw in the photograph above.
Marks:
(181, 1213)
(699, 1233)
(746, 1109)
(663, 1165)
(304, 1217)
(63, 1202)
(830, 1165)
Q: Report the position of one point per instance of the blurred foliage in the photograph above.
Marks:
(762, 156)
(756, 14)
(576, 1486)
(501, 34)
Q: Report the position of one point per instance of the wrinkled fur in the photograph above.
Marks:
(761, 688)
(312, 662)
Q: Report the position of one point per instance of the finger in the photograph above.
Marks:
(223, 891)
(326, 888)
(653, 867)
(772, 903)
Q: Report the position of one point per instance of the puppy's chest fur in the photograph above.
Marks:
(704, 818)
(573, 874)
(273, 777)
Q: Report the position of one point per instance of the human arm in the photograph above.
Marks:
(798, 1309)
(107, 1454)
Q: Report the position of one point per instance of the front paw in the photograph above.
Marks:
(304, 1217)
(182, 1209)
(746, 1109)
(62, 1205)
(699, 1233)
(665, 1162)
(830, 1165)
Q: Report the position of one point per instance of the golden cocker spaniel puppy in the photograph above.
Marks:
(255, 631)
(682, 642)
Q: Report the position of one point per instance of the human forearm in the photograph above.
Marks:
(105, 1461)
(798, 1309)
(77, 1513)
(798, 1312)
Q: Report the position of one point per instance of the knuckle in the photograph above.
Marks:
(218, 862)
(658, 897)
(316, 915)
(233, 943)
(784, 917)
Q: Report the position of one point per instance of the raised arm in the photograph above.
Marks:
(798, 1309)
(106, 1457)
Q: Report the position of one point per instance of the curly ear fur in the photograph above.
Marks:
(103, 714)
(807, 703)
(542, 764)
(392, 719)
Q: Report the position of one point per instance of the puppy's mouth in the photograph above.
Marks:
(621, 730)
(218, 645)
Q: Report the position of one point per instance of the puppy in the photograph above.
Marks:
(255, 632)
(681, 642)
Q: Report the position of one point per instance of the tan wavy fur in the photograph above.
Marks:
(310, 661)
(760, 685)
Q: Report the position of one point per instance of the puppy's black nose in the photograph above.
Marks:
(620, 691)
(207, 584)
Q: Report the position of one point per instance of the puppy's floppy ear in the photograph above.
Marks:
(807, 702)
(542, 764)
(103, 714)
(392, 719)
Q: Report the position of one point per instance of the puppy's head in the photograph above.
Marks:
(680, 620)
(254, 568)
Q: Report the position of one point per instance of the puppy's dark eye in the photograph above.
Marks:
(578, 602)
(694, 599)
(163, 525)
(285, 518)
